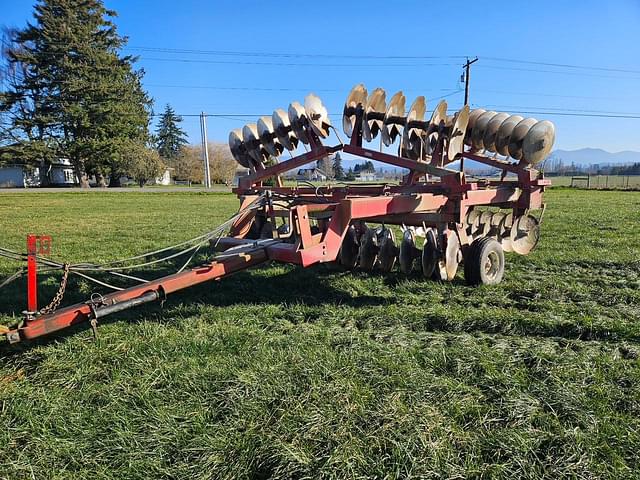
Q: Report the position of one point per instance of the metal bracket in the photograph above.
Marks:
(94, 329)
(13, 336)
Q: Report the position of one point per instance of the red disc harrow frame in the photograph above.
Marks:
(316, 229)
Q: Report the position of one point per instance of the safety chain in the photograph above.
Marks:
(57, 299)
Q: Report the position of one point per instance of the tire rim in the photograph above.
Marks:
(492, 265)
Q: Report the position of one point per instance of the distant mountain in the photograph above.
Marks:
(593, 156)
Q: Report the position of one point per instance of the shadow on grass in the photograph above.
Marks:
(309, 287)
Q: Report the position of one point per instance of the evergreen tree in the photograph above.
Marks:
(351, 174)
(338, 171)
(170, 138)
(71, 95)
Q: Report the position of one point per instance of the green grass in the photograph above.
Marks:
(284, 372)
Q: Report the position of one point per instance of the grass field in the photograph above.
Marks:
(321, 373)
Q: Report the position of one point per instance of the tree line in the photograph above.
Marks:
(555, 165)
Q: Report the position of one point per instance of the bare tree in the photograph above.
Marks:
(188, 166)
(222, 165)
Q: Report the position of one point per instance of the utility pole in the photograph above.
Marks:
(467, 72)
(205, 150)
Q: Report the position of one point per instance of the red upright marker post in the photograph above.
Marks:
(32, 275)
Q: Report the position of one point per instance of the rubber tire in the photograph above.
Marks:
(477, 256)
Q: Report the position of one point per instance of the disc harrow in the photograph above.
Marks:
(434, 220)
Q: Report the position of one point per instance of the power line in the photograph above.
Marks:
(282, 89)
(286, 64)
(539, 94)
(579, 74)
(561, 65)
(574, 114)
(564, 114)
(579, 110)
(289, 55)
(228, 53)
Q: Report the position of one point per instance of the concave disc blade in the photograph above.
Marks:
(489, 138)
(479, 129)
(282, 126)
(448, 266)
(455, 143)
(368, 253)
(430, 253)
(473, 118)
(538, 142)
(238, 148)
(357, 98)
(395, 111)
(504, 134)
(388, 250)
(517, 137)
(374, 114)
(505, 235)
(525, 234)
(298, 121)
(317, 115)
(349, 249)
(406, 255)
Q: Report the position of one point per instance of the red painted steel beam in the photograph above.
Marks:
(275, 170)
(82, 312)
(402, 162)
(508, 166)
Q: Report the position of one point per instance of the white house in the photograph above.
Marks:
(165, 178)
(367, 177)
(62, 174)
(18, 176)
(13, 176)
(311, 174)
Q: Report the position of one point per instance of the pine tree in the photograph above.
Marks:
(351, 174)
(71, 95)
(170, 138)
(338, 171)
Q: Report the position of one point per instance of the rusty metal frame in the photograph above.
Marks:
(442, 204)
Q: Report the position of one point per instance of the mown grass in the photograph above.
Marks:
(320, 373)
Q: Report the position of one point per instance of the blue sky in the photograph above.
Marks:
(580, 33)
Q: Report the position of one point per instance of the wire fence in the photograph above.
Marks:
(598, 182)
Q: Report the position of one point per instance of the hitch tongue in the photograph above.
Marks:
(103, 311)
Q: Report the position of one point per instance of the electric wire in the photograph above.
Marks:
(95, 280)
(227, 53)
(561, 65)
